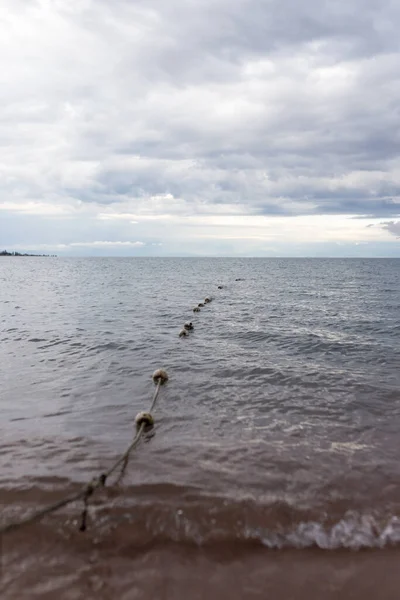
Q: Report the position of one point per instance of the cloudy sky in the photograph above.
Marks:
(200, 127)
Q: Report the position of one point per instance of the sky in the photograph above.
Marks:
(207, 127)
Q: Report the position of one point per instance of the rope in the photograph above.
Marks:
(137, 437)
(143, 421)
(159, 377)
(40, 513)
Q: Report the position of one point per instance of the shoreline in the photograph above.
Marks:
(20, 254)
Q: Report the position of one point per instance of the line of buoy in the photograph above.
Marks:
(143, 420)
(188, 326)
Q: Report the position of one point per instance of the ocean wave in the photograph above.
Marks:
(208, 521)
(353, 531)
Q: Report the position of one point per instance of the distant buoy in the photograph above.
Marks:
(188, 325)
(160, 375)
(196, 309)
(207, 300)
(200, 304)
(183, 332)
(220, 287)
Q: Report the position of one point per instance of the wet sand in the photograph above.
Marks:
(46, 567)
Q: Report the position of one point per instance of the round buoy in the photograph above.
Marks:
(160, 375)
(144, 418)
(183, 332)
(188, 325)
(196, 309)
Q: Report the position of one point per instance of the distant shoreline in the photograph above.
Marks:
(5, 253)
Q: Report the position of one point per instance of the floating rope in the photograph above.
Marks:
(144, 420)
(159, 377)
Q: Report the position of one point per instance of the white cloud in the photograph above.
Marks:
(392, 227)
(213, 121)
(39, 208)
(105, 244)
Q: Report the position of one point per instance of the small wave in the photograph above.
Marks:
(55, 342)
(353, 531)
(98, 348)
(168, 513)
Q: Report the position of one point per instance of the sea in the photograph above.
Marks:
(273, 467)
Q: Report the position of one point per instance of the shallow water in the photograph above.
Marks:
(277, 430)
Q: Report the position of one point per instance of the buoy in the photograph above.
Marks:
(144, 418)
(196, 309)
(207, 300)
(160, 375)
(220, 287)
(200, 304)
(183, 332)
(188, 325)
